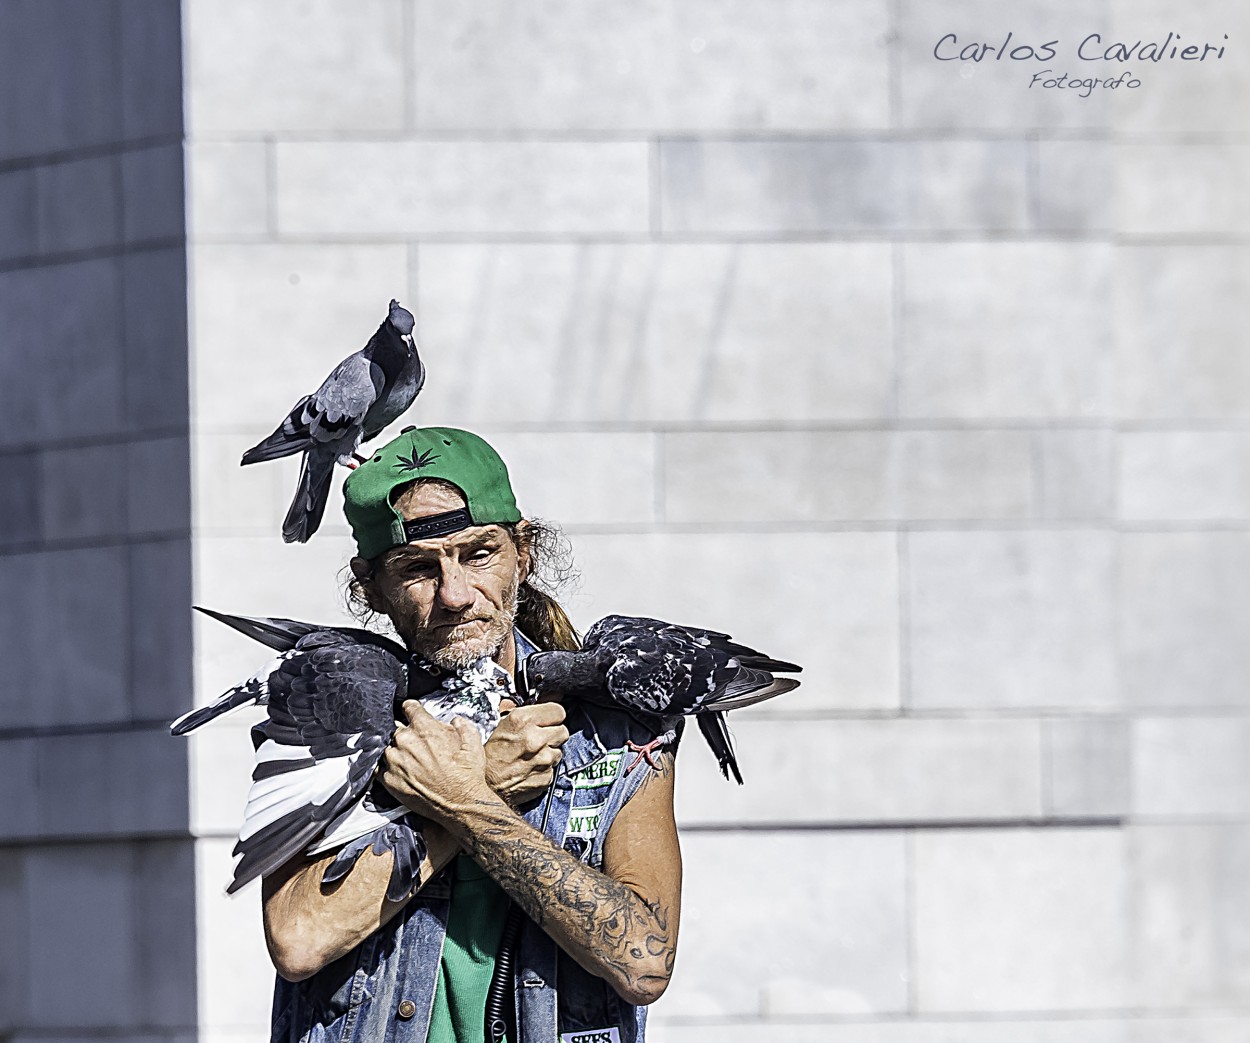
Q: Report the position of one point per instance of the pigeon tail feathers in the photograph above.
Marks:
(304, 516)
(716, 732)
(249, 693)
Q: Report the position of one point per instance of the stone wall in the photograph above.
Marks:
(901, 368)
(96, 862)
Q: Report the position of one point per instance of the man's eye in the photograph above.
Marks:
(419, 568)
(482, 554)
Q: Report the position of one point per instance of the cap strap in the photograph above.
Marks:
(437, 525)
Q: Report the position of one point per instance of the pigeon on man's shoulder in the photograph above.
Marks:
(659, 673)
(333, 697)
(366, 391)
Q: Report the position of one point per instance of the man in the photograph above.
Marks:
(446, 555)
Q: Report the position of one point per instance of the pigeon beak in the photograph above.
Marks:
(524, 693)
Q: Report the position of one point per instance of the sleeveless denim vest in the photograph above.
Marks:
(383, 990)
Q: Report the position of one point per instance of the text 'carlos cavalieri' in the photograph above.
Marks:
(1093, 48)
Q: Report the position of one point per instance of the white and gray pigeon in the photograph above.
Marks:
(365, 392)
(659, 673)
(333, 696)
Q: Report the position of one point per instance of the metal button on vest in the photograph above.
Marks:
(406, 1009)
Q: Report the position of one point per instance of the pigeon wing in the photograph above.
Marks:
(331, 715)
(337, 409)
(651, 671)
(284, 634)
(252, 692)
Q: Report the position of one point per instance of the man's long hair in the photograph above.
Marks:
(538, 615)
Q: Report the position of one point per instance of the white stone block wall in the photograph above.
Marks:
(931, 381)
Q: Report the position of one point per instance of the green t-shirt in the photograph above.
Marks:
(475, 924)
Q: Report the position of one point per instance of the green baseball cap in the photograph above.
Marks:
(455, 456)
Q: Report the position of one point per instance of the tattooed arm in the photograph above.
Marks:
(620, 924)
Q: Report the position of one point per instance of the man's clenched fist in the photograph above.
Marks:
(523, 751)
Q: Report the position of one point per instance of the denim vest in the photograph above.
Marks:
(383, 990)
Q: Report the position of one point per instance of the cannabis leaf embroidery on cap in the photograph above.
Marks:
(415, 462)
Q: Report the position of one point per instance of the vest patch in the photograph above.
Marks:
(584, 822)
(602, 772)
(611, 1035)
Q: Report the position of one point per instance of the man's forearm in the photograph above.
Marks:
(308, 926)
(602, 923)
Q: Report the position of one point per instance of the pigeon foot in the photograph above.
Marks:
(644, 753)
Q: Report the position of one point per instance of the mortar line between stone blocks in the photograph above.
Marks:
(1046, 746)
(271, 187)
(119, 198)
(899, 333)
(72, 155)
(750, 237)
(413, 270)
(921, 825)
(1033, 179)
(712, 134)
(1037, 464)
(903, 568)
(95, 253)
(909, 922)
(408, 63)
(753, 427)
(655, 215)
(947, 1017)
(894, 85)
(660, 500)
(59, 731)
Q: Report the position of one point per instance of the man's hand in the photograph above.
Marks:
(523, 751)
(433, 768)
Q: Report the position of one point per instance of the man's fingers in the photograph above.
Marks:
(464, 728)
(415, 712)
(548, 757)
(542, 714)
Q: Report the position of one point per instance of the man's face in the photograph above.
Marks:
(451, 599)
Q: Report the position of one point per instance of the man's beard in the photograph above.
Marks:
(446, 648)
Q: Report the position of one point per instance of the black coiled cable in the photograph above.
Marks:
(500, 992)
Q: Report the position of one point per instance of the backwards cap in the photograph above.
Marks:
(458, 457)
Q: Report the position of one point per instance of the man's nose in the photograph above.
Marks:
(454, 593)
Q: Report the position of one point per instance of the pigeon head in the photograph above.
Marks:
(401, 319)
(573, 674)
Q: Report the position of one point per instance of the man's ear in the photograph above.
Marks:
(363, 572)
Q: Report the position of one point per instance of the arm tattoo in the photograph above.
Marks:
(569, 899)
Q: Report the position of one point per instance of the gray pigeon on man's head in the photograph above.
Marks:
(365, 392)
(659, 673)
(333, 696)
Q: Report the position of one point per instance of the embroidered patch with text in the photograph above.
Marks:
(584, 822)
(600, 773)
(611, 1035)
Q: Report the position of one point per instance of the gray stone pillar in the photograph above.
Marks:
(96, 863)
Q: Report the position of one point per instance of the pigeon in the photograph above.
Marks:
(281, 635)
(333, 695)
(659, 673)
(364, 393)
